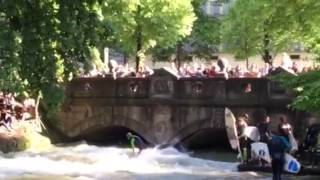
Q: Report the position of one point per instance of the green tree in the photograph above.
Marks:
(9, 60)
(307, 87)
(303, 23)
(252, 27)
(42, 42)
(142, 24)
(206, 34)
(240, 33)
(203, 40)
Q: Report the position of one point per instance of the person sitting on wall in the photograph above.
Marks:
(135, 142)
(6, 120)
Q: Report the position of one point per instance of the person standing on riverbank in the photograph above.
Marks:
(278, 145)
(284, 127)
(264, 131)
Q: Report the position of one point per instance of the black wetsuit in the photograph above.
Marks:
(136, 141)
(264, 132)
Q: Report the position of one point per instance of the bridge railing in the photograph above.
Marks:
(217, 90)
(201, 88)
(92, 87)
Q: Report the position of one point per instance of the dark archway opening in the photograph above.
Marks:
(210, 144)
(207, 139)
(109, 136)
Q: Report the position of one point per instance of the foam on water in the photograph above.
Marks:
(91, 162)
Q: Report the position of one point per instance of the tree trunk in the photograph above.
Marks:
(36, 108)
(178, 55)
(125, 58)
(267, 58)
(247, 54)
(247, 62)
(138, 38)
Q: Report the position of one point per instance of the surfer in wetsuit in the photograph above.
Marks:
(278, 145)
(264, 131)
(135, 142)
(265, 134)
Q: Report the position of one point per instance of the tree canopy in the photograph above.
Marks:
(142, 24)
(203, 41)
(41, 43)
(257, 27)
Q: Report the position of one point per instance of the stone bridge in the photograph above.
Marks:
(166, 109)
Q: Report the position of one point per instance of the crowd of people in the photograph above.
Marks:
(279, 142)
(217, 68)
(222, 68)
(12, 111)
(119, 71)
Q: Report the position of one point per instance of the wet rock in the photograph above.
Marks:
(12, 142)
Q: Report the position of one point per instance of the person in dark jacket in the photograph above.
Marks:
(265, 134)
(278, 145)
(264, 131)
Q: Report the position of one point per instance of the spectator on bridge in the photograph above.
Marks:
(6, 119)
(213, 71)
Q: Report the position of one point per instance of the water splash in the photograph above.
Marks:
(94, 163)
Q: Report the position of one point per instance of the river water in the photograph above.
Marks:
(88, 162)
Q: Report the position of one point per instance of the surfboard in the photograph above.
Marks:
(252, 132)
(261, 150)
(230, 124)
(291, 164)
(293, 142)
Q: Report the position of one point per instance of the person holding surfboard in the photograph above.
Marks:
(244, 141)
(135, 142)
(264, 131)
(278, 145)
(265, 134)
(284, 127)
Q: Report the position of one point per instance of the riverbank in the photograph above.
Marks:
(24, 135)
(305, 170)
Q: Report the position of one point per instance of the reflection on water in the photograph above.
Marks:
(85, 162)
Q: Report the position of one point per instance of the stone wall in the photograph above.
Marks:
(164, 109)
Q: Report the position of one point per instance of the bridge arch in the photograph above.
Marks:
(193, 128)
(99, 123)
(109, 135)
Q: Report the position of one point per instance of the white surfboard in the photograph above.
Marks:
(261, 150)
(291, 164)
(293, 142)
(252, 132)
(230, 123)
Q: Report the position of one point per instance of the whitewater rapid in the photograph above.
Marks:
(88, 162)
